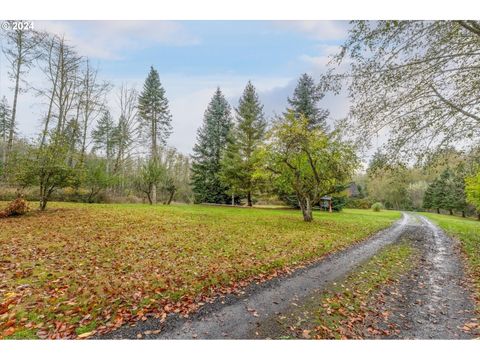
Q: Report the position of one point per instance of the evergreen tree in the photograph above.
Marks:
(240, 161)
(211, 143)
(305, 100)
(428, 197)
(105, 137)
(446, 191)
(155, 115)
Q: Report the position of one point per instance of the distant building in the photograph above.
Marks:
(352, 190)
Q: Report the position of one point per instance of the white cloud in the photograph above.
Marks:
(188, 96)
(318, 29)
(108, 39)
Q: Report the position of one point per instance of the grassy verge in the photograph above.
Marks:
(342, 309)
(77, 268)
(467, 231)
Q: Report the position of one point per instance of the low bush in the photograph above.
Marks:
(17, 207)
(355, 203)
(377, 206)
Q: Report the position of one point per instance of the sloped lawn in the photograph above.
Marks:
(79, 269)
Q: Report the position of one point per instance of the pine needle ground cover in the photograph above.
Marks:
(77, 269)
(467, 231)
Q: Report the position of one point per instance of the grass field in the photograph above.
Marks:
(77, 268)
(468, 232)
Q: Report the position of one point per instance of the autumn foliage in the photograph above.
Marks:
(19, 206)
(79, 270)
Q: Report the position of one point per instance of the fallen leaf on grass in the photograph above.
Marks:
(85, 334)
(9, 331)
(306, 334)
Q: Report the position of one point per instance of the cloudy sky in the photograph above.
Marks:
(193, 58)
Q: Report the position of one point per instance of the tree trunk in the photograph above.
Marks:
(172, 193)
(153, 196)
(450, 211)
(233, 199)
(154, 154)
(4, 151)
(306, 206)
(43, 202)
(50, 107)
(15, 95)
(463, 213)
(249, 198)
(149, 197)
(438, 211)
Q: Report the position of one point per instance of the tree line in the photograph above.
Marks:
(445, 182)
(81, 146)
(238, 157)
(420, 82)
(86, 152)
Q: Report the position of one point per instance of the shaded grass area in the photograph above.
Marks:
(80, 268)
(340, 312)
(467, 231)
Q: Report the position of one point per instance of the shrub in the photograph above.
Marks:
(338, 202)
(377, 206)
(19, 206)
(354, 203)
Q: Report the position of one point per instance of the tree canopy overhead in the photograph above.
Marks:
(418, 79)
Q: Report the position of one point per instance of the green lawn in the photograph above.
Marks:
(79, 268)
(468, 232)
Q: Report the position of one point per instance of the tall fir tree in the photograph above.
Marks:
(446, 191)
(428, 200)
(105, 137)
(305, 100)
(155, 115)
(240, 159)
(211, 143)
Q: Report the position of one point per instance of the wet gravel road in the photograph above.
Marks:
(433, 301)
(443, 302)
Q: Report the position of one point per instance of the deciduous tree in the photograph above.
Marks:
(472, 190)
(21, 51)
(307, 161)
(419, 80)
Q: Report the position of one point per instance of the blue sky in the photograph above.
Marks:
(193, 58)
